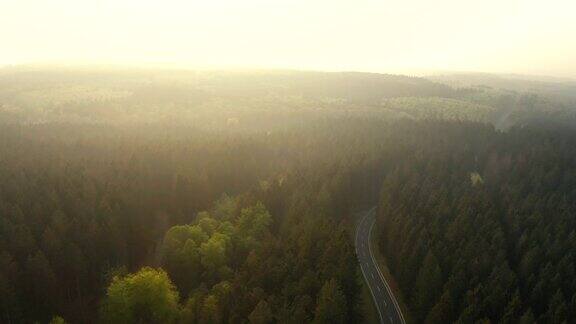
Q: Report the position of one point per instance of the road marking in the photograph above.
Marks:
(381, 276)
(378, 288)
(365, 278)
(391, 321)
(372, 273)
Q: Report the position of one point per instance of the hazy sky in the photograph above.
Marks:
(524, 36)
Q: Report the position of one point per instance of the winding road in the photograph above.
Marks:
(384, 300)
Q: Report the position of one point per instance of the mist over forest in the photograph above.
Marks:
(149, 195)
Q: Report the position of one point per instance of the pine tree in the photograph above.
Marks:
(262, 314)
(331, 305)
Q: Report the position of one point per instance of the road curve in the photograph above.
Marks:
(385, 302)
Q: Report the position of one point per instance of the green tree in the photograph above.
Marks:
(213, 252)
(428, 285)
(262, 314)
(210, 310)
(181, 255)
(57, 320)
(527, 317)
(557, 309)
(254, 220)
(442, 311)
(147, 296)
(512, 311)
(42, 283)
(331, 305)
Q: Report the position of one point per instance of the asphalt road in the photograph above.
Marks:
(384, 300)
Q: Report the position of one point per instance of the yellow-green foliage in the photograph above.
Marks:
(476, 179)
(439, 108)
(147, 296)
(201, 252)
(68, 94)
(57, 320)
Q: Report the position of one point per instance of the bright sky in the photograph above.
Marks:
(518, 36)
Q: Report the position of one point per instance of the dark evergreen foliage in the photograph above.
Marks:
(498, 248)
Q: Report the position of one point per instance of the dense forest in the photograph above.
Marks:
(480, 226)
(145, 196)
(82, 205)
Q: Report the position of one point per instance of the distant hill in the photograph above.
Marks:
(39, 94)
(563, 89)
(346, 85)
(262, 98)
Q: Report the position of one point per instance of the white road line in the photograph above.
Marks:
(396, 306)
(372, 273)
(366, 279)
(378, 288)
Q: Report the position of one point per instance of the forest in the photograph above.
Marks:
(176, 196)
(480, 228)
